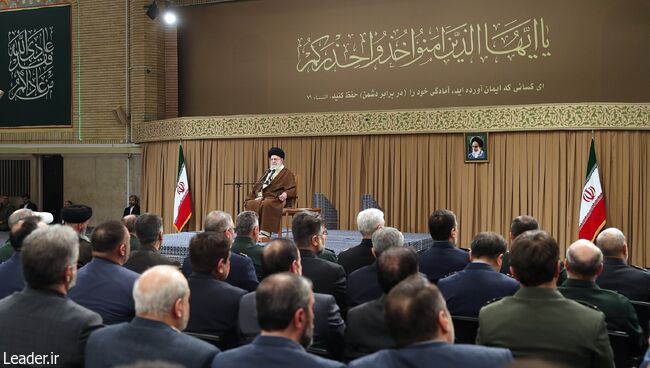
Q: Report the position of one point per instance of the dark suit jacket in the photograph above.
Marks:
(367, 332)
(356, 257)
(436, 353)
(328, 324)
(242, 272)
(214, 305)
(470, 289)
(147, 257)
(136, 210)
(106, 288)
(628, 280)
(327, 277)
(46, 322)
(145, 339)
(541, 323)
(363, 285)
(441, 260)
(31, 205)
(619, 312)
(248, 246)
(11, 275)
(85, 251)
(271, 352)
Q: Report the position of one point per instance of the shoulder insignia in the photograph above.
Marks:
(639, 268)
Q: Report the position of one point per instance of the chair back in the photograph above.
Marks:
(642, 310)
(465, 329)
(620, 342)
(209, 338)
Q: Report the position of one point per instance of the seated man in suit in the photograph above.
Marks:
(442, 258)
(27, 203)
(103, 285)
(149, 229)
(618, 275)
(11, 271)
(538, 322)
(134, 206)
(470, 289)
(367, 331)
(368, 221)
(519, 225)
(41, 320)
(245, 242)
(162, 310)
(308, 230)
(214, 303)
(363, 285)
(77, 217)
(285, 313)
(242, 271)
(271, 193)
(421, 324)
(584, 262)
(281, 255)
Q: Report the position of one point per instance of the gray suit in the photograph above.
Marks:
(46, 322)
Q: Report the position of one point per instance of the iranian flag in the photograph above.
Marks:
(182, 201)
(592, 205)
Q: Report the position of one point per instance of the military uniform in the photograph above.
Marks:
(631, 281)
(328, 255)
(5, 211)
(6, 251)
(541, 323)
(619, 313)
(247, 246)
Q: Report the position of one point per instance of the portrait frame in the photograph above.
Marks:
(476, 137)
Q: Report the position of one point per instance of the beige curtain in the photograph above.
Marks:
(536, 173)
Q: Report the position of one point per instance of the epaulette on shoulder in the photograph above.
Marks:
(242, 254)
(639, 268)
(494, 300)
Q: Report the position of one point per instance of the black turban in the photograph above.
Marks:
(276, 151)
(76, 213)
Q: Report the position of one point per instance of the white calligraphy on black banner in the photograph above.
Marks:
(31, 69)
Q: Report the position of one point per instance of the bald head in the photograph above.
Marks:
(162, 294)
(584, 260)
(612, 243)
(129, 222)
(281, 255)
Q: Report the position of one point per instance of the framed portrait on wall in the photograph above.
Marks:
(476, 147)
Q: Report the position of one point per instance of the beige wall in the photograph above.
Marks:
(101, 182)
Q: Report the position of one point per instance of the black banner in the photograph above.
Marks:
(35, 67)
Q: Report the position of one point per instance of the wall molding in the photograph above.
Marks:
(447, 120)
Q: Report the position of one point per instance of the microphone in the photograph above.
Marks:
(261, 179)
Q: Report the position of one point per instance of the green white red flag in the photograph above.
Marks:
(182, 201)
(592, 205)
